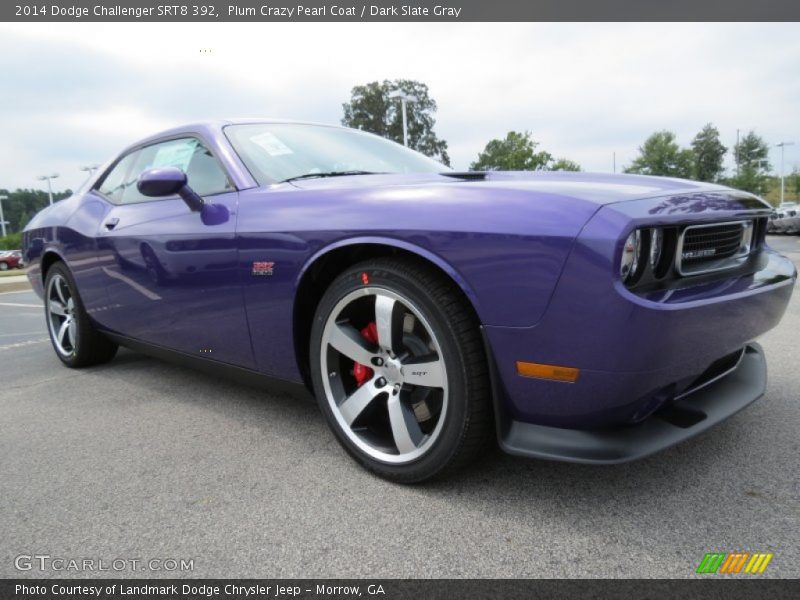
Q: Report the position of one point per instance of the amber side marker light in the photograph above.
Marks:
(554, 372)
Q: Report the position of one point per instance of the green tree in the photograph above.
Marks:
(372, 110)
(23, 220)
(21, 205)
(564, 164)
(752, 150)
(516, 152)
(661, 155)
(709, 154)
(753, 165)
(12, 241)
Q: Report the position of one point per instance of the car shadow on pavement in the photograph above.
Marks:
(496, 473)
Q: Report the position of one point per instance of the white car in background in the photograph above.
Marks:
(788, 209)
(785, 219)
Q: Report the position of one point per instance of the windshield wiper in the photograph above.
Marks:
(329, 174)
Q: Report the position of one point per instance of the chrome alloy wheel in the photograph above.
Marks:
(60, 307)
(389, 396)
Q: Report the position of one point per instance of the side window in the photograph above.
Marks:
(113, 184)
(204, 173)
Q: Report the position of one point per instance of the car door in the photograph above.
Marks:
(171, 279)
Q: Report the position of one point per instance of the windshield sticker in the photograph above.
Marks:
(271, 144)
(175, 155)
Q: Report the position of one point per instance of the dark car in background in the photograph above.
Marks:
(11, 259)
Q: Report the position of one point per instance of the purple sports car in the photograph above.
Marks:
(579, 317)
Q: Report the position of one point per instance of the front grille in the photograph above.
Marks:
(719, 241)
(713, 247)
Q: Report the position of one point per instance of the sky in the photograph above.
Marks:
(73, 94)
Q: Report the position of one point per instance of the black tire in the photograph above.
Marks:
(3, 266)
(468, 421)
(90, 347)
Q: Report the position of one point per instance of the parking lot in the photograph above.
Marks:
(140, 459)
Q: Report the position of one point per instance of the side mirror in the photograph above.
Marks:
(168, 181)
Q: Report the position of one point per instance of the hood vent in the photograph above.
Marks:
(466, 175)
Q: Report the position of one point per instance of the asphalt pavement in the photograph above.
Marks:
(140, 460)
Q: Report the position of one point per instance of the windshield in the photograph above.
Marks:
(275, 152)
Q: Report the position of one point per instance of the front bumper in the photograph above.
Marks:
(679, 421)
(634, 354)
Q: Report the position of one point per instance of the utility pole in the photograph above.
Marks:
(614, 161)
(782, 145)
(2, 218)
(736, 154)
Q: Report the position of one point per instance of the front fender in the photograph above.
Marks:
(400, 245)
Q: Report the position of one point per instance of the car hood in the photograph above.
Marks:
(599, 188)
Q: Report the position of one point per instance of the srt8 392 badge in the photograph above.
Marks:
(262, 268)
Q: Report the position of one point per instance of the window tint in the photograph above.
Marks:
(204, 173)
(113, 184)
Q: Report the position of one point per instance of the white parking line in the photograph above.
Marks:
(23, 344)
(18, 334)
(16, 304)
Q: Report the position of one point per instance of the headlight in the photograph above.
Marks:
(656, 244)
(629, 265)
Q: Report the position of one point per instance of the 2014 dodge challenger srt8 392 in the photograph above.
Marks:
(579, 317)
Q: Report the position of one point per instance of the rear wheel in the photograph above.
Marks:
(76, 341)
(399, 370)
(3, 266)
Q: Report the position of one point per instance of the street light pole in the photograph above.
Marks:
(2, 218)
(404, 98)
(782, 145)
(405, 122)
(90, 169)
(759, 166)
(48, 178)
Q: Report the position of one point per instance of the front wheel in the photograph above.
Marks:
(399, 370)
(76, 341)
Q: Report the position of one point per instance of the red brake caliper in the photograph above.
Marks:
(363, 373)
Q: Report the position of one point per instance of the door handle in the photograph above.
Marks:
(111, 223)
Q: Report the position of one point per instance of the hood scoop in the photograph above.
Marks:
(466, 175)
